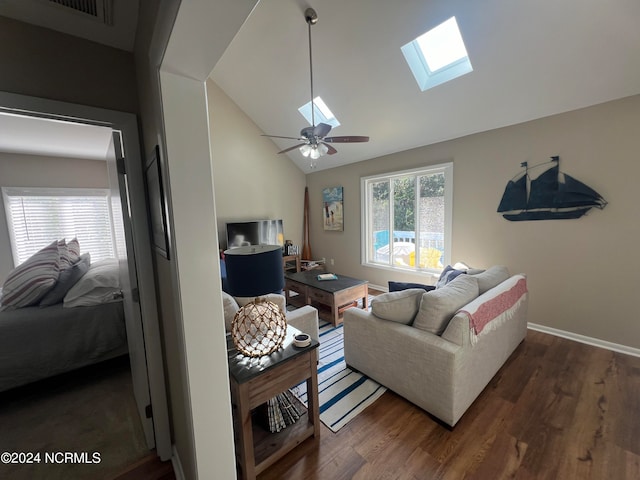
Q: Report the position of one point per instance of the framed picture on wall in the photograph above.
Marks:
(157, 204)
(332, 209)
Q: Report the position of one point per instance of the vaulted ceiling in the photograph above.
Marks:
(530, 60)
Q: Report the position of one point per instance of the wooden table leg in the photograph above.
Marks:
(312, 397)
(365, 299)
(335, 313)
(246, 456)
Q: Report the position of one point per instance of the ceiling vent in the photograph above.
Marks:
(101, 10)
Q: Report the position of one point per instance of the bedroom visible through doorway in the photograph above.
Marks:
(143, 340)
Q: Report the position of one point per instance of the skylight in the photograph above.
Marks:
(438, 55)
(321, 112)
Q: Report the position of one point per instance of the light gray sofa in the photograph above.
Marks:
(304, 318)
(425, 350)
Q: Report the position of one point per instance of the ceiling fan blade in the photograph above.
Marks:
(278, 136)
(331, 150)
(292, 148)
(346, 139)
(321, 130)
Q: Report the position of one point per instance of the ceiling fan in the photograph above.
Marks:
(314, 138)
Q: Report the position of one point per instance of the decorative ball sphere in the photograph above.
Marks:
(258, 328)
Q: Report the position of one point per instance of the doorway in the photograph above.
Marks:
(127, 184)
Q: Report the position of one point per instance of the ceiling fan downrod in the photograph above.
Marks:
(311, 18)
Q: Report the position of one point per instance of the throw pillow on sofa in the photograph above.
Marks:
(399, 286)
(276, 298)
(438, 306)
(230, 309)
(399, 306)
(448, 275)
(492, 277)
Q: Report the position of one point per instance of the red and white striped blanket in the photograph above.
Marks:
(495, 310)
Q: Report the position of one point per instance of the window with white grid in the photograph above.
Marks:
(38, 216)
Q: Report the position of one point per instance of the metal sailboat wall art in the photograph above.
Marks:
(553, 195)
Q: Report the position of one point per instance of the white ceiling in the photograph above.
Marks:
(530, 59)
(39, 136)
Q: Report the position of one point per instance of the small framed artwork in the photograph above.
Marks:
(332, 209)
(157, 204)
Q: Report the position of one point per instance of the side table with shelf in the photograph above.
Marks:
(291, 263)
(253, 381)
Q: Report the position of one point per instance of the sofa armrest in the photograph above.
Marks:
(305, 319)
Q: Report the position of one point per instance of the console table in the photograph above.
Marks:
(336, 294)
(254, 381)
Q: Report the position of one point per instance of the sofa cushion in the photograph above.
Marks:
(448, 274)
(400, 306)
(492, 277)
(438, 306)
(230, 309)
(399, 286)
(272, 297)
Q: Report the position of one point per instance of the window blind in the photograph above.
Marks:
(38, 216)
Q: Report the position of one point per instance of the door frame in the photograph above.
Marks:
(127, 124)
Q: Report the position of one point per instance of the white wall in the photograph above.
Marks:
(38, 171)
(581, 272)
(200, 34)
(252, 181)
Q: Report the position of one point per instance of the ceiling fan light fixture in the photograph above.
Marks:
(305, 150)
(315, 153)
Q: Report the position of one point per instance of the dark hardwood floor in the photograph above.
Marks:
(557, 410)
(148, 468)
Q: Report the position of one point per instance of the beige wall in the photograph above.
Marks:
(37, 171)
(581, 273)
(43, 63)
(150, 16)
(251, 180)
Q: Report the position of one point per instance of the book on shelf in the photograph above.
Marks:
(311, 264)
(281, 411)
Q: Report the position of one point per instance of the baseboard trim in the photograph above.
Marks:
(177, 466)
(595, 342)
(378, 287)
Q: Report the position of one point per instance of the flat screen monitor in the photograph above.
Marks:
(258, 232)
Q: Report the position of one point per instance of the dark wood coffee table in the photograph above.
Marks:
(345, 291)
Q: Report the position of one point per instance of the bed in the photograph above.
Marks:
(37, 343)
(55, 321)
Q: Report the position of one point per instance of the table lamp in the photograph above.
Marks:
(259, 327)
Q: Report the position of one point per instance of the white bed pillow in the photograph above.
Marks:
(97, 286)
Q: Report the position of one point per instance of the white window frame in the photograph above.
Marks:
(366, 235)
(55, 192)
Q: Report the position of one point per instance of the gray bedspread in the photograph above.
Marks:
(37, 343)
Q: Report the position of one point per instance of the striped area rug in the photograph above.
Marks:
(343, 392)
